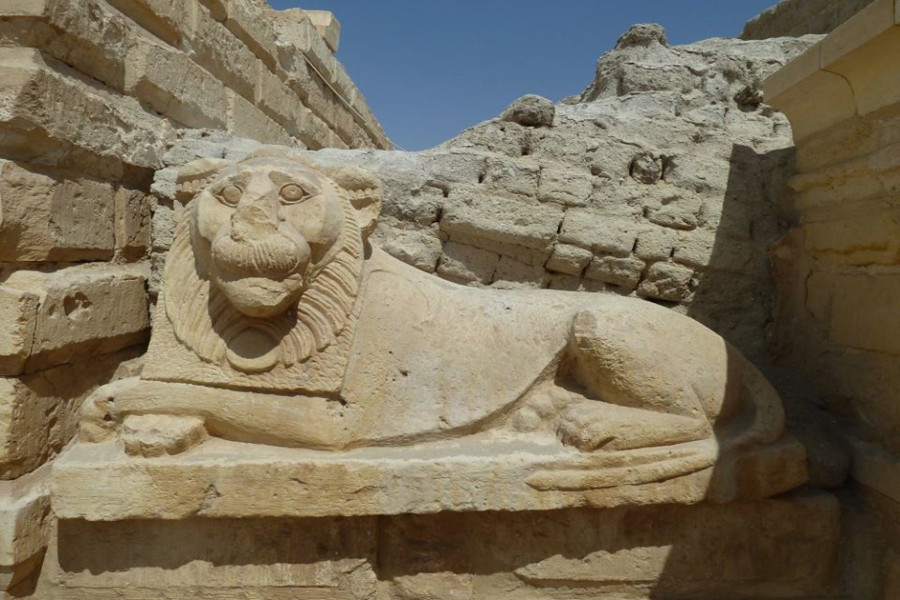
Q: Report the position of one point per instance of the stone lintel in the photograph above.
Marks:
(851, 72)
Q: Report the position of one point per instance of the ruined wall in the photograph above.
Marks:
(838, 270)
(660, 181)
(92, 95)
(792, 18)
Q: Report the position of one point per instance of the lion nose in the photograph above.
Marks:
(253, 219)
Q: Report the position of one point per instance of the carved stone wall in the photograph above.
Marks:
(838, 269)
(92, 94)
(800, 17)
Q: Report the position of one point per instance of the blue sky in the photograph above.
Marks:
(431, 68)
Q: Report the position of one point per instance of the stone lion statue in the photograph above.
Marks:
(277, 324)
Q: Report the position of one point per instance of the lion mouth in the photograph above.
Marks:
(262, 297)
(273, 256)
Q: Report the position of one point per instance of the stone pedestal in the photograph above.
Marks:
(224, 479)
(780, 548)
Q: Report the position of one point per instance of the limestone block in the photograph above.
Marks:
(467, 264)
(675, 214)
(622, 272)
(169, 20)
(530, 256)
(217, 50)
(18, 310)
(666, 281)
(871, 237)
(591, 229)
(246, 120)
(209, 559)
(564, 186)
(173, 85)
(515, 176)
(54, 215)
(24, 530)
(38, 98)
(327, 26)
(857, 308)
(787, 546)
(276, 99)
(421, 249)
(500, 219)
(84, 310)
(249, 20)
(656, 244)
(296, 29)
(514, 274)
(569, 259)
(39, 411)
(133, 227)
(221, 479)
(87, 35)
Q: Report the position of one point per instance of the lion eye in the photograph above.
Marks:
(292, 193)
(230, 195)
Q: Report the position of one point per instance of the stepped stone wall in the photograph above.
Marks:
(93, 93)
(800, 17)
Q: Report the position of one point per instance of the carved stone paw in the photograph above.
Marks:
(591, 425)
(579, 428)
(158, 435)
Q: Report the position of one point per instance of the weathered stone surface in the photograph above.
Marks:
(569, 259)
(327, 26)
(18, 311)
(467, 264)
(570, 188)
(590, 229)
(666, 281)
(531, 225)
(622, 272)
(566, 553)
(25, 523)
(837, 270)
(158, 435)
(512, 176)
(793, 18)
(54, 215)
(81, 311)
(530, 111)
(37, 98)
(39, 411)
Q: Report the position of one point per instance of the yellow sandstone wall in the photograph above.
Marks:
(838, 270)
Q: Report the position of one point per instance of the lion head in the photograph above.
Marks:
(267, 258)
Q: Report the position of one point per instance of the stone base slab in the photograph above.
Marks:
(784, 548)
(223, 479)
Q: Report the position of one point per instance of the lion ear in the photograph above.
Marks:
(196, 175)
(363, 189)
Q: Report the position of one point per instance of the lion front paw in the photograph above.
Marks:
(591, 425)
